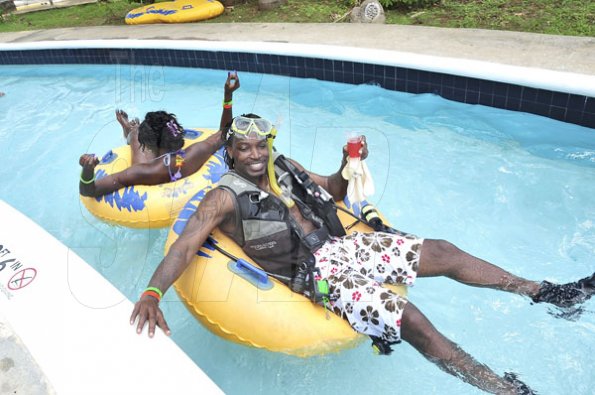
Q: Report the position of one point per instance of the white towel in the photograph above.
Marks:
(360, 184)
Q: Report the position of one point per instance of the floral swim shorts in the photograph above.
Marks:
(356, 265)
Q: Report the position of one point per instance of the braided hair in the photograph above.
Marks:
(159, 130)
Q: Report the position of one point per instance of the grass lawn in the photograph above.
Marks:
(564, 17)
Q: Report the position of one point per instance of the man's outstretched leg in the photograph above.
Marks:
(441, 258)
(418, 331)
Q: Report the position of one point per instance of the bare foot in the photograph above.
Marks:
(127, 126)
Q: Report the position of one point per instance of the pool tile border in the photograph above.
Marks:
(566, 107)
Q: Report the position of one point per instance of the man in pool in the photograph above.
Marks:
(305, 239)
(156, 147)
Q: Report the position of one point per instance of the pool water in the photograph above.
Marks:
(512, 188)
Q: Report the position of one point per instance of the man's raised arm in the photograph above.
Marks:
(335, 184)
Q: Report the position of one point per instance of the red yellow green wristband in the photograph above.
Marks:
(155, 289)
(152, 294)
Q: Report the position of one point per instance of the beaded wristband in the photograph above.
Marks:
(155, 289)
(91, 181)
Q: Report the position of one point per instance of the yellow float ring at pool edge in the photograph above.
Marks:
(151, 206)
(231, 305)
(179, 11)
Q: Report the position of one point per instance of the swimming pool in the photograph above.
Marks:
(510, 187)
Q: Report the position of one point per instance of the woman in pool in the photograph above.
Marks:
(157, 154)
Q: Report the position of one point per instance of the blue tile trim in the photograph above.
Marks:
(561, 106)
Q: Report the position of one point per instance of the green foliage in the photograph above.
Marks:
(110, 12)
(407, 3)
(565, 17)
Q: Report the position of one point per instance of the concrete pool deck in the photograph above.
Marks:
(557, 53)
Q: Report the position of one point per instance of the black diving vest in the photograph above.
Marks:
(264, 228)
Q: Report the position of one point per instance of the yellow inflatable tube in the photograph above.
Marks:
(179, 11)
(233, 305)
(151, 206)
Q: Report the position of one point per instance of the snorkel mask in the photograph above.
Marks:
(260, 129)
(250, 128)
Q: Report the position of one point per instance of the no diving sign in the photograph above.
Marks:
(19, 278)
(22, 278)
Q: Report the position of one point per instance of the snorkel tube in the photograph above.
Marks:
(285, 198)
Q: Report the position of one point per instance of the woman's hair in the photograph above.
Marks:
(228, 138)
(161, 129)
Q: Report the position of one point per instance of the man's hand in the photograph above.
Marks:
(147, 309)
(363, 150)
